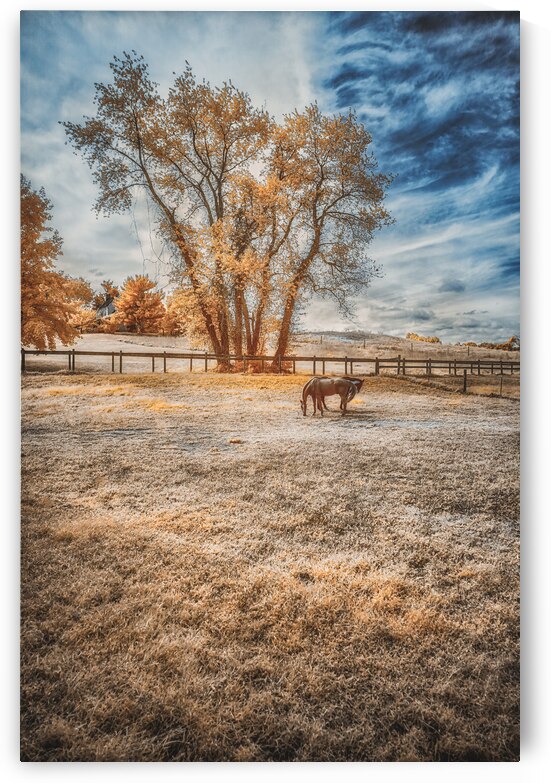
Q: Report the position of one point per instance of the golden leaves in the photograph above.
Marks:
(138, 307)
(52, 304)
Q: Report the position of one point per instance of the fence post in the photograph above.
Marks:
(479, 366)
(120, 362)
(455, 366)
(294, 365)
(191, 363)
(398, 363)
(152, 364)
(346, 365)
(244, 363)
(112, 361)
(500, 384)
(314, 366)
(262, 365)
(164, 361)
(323, 366)
(351, 367)
(206, 361)
(69, 360)
(492, 368)
(464, 381)
(73, 354)
(404, 366)
(376, 365)
(22, 360)
(279, 363)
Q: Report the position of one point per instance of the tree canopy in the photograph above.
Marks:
(108, 293)
(51, 302)
(259, 214)
(138, 307)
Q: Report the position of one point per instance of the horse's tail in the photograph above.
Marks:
(352, 391)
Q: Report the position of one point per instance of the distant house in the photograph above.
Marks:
(106, 309)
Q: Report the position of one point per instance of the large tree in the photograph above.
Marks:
(325, 166)
(259, 214)
(50, 301)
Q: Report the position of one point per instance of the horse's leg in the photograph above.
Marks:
(343, 404)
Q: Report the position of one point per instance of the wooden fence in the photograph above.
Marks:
(350, 364)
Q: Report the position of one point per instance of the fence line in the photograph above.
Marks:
(284, 363)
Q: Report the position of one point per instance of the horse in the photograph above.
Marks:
(321, 387)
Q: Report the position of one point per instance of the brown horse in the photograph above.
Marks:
(320, 388)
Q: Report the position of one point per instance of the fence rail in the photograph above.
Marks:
(350, 364)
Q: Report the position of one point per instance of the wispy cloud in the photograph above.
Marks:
(439, 93)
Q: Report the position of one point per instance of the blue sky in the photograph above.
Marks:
(438, 91)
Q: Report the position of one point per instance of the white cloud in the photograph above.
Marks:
(440, 99)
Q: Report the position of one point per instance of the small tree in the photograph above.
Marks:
(50, 300)
(107, 295)
(138, 307)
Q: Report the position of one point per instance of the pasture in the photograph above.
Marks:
(209, 575)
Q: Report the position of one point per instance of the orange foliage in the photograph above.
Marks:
(419, 338)
(512, 344)
(108, 294)
(52, 304)
(138, 307)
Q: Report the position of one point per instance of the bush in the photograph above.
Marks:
(421, 339)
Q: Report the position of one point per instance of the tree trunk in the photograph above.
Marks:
(257, 326)
(224, 330)
(238, 316)
(251, 350)
(292, 296)
(223, 315)
(258, 317)
(285, 327)
(190, 269)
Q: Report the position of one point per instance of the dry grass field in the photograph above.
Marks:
(208, 575)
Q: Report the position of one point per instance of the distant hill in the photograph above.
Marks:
(342, 343)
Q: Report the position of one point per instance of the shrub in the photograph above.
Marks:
(421, 339)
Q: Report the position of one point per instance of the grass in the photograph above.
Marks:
(208, 575)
